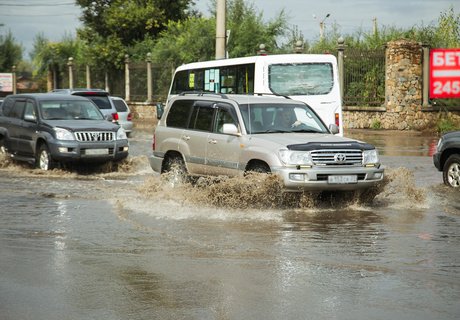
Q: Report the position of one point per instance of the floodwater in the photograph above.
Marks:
(96, 244)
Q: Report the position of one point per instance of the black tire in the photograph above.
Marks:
(174, 170)
(44, 161)
(451, 171)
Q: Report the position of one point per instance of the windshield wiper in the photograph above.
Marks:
(307, 131)
(276, 131)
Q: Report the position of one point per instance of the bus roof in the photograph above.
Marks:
(277, 58)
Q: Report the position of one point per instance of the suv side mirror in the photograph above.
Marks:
(333, 128)
(230, 128)
(30, 118)
(160, 110)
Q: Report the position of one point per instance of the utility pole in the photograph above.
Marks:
(220, 29)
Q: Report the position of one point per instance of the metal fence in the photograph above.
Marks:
(364, 77)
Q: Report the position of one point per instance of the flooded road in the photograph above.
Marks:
(126, 245)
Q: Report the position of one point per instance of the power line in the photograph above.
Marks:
(38, 15)
(37, 4)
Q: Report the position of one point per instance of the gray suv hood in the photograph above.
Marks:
(83, 125)
(311, 141)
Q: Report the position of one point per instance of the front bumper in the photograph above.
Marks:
(73, 151)
(317, 178)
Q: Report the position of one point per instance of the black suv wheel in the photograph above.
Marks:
(44, 160)
(451, 172)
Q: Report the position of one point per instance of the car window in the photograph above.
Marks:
(7, 106)
(179, 114)
(30, 111)
(18, 109)
(120, 105)
(265, 118)
(224, 116)
(202, 116)
(69, 110)
(101, 101)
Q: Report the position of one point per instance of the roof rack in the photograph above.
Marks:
(202, 93)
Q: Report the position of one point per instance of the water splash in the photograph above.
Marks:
(255, 191)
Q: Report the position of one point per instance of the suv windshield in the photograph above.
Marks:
(275, 118)
(300, 78)
(67, 110)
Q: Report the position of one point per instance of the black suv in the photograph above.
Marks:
(447, 158)
(47, 129)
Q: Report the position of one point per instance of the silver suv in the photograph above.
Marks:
(208, 134)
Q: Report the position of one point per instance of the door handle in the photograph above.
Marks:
(212, 141)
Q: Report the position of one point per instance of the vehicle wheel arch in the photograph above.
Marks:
(257, 165)
(171, 155)
(446, 154)
(39, 143)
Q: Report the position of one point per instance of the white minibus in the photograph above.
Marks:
(311, 78)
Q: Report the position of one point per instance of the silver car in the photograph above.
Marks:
(210, 134)
(123, 116)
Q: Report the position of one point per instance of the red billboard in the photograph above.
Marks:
(444, 73)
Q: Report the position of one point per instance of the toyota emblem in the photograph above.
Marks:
(340, 158)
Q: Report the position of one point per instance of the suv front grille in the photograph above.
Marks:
(89, 136)
(337, 157)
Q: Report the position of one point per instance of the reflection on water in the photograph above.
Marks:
(397, 143)
(125, 245)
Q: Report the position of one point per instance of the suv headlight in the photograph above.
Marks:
(370, 157)
(290, 157)
(121, 134)
(63, 134)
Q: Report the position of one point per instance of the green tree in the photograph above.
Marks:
(113, 27)
(248, 29)
(182, 42)
(10, 52)
(51, 58)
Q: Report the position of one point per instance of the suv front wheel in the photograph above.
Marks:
(44, 160)
(451, 172)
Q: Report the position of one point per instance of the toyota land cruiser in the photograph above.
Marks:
(209, 134)
(47, 129)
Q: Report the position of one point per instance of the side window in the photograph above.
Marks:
(7, 107)
(202, 116)
(179, 114)
(224, 115)
(29, 109)
(120, 105)
(18, 109)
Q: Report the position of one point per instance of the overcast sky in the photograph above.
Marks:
(53, 18)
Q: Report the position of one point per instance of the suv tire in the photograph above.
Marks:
(44, 160)
(451, 172)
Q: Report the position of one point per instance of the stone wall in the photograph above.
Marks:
(403, 95)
